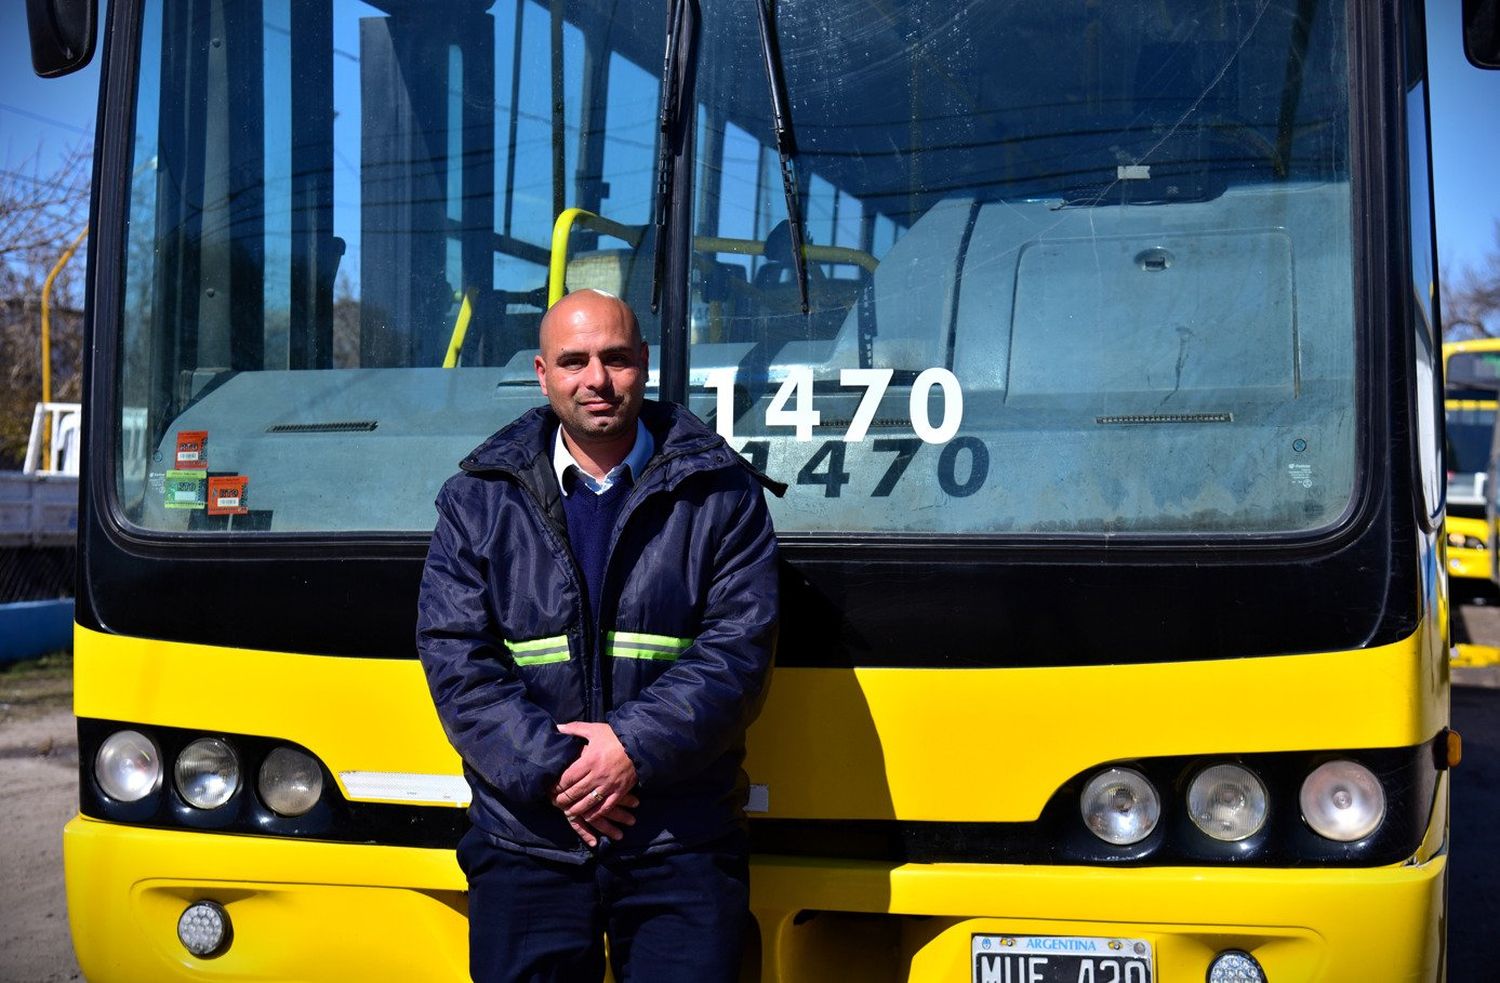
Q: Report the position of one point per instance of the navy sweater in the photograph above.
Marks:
(590, 519)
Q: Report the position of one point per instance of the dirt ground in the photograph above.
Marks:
(38, 795)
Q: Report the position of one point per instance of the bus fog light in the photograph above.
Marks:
(208, 773)
(203, 929)
(290, 782)
(128, 766)
(1234, 966)
(1343, 800)
(1227, 802)
(1120, 806)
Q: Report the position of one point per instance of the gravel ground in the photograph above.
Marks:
(39, 776)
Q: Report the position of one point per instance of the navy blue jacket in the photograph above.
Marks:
(676, 665)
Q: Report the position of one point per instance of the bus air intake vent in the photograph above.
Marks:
(1149, 418)
(878, 423)
(348, 426)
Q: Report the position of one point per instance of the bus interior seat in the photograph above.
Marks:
(624, 272)
(775, 317)
(600, 269)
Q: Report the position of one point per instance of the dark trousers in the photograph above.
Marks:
(678, 917)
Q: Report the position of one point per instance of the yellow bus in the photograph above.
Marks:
(1469, 429)
(1092, 339)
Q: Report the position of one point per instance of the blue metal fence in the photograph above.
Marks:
(29, 629)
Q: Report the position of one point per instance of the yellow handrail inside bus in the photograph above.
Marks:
(818, 254)
(557, 270)
(563, 228)
(460, 330)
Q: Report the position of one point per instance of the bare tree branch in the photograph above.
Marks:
(41, 212)
(1471, 300)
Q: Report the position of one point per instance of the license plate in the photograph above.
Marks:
(1060, 959)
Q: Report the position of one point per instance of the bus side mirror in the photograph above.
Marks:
(62, 35)
(1482, 33)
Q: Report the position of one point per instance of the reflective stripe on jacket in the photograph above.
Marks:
(676, 666)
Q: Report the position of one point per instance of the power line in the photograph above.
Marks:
(50, 120)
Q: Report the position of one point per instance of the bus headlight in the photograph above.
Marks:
(1227, 802)
(128, 766)
(290, 782)
(1343, 801)
(208, 773)
(1459, 541)
(1120, 806)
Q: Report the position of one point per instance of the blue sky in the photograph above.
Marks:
(45, 118)
(1465, 142)
(46, 115)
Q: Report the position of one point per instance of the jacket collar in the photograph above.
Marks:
(684, 444)
(563, 461)
(515, 447)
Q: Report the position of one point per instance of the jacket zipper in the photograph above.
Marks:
(576, 572)
(632, 504)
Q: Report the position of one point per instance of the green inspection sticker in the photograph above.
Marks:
(185, 490)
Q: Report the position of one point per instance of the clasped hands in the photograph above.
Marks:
(594, 793)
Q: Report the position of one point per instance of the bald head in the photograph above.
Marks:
(587, 306)
(592, 367)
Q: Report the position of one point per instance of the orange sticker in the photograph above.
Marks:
(226, 495)
(192, 449)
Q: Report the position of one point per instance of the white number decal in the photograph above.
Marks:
(953, 405)
(799, 380)
(722, 382)
(792, 406)
(875, 382)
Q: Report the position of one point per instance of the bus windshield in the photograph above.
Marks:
(1070, 268)
(1473, 375)
(1469, 432)
(1074, 268)
(340, 224)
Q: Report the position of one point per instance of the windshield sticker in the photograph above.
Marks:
(226, 495)
(1301, 475)
(184, 490)
(192, 449)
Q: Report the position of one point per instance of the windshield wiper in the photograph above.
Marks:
(781, 126)
(671, 112)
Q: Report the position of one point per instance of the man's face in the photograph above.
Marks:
(592, 367)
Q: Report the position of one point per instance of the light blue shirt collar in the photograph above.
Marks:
(635, 461)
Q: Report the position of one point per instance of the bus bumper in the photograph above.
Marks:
(326, 911)
(1318, 924)
(300, 910)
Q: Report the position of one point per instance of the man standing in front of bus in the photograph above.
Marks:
(596, 622)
